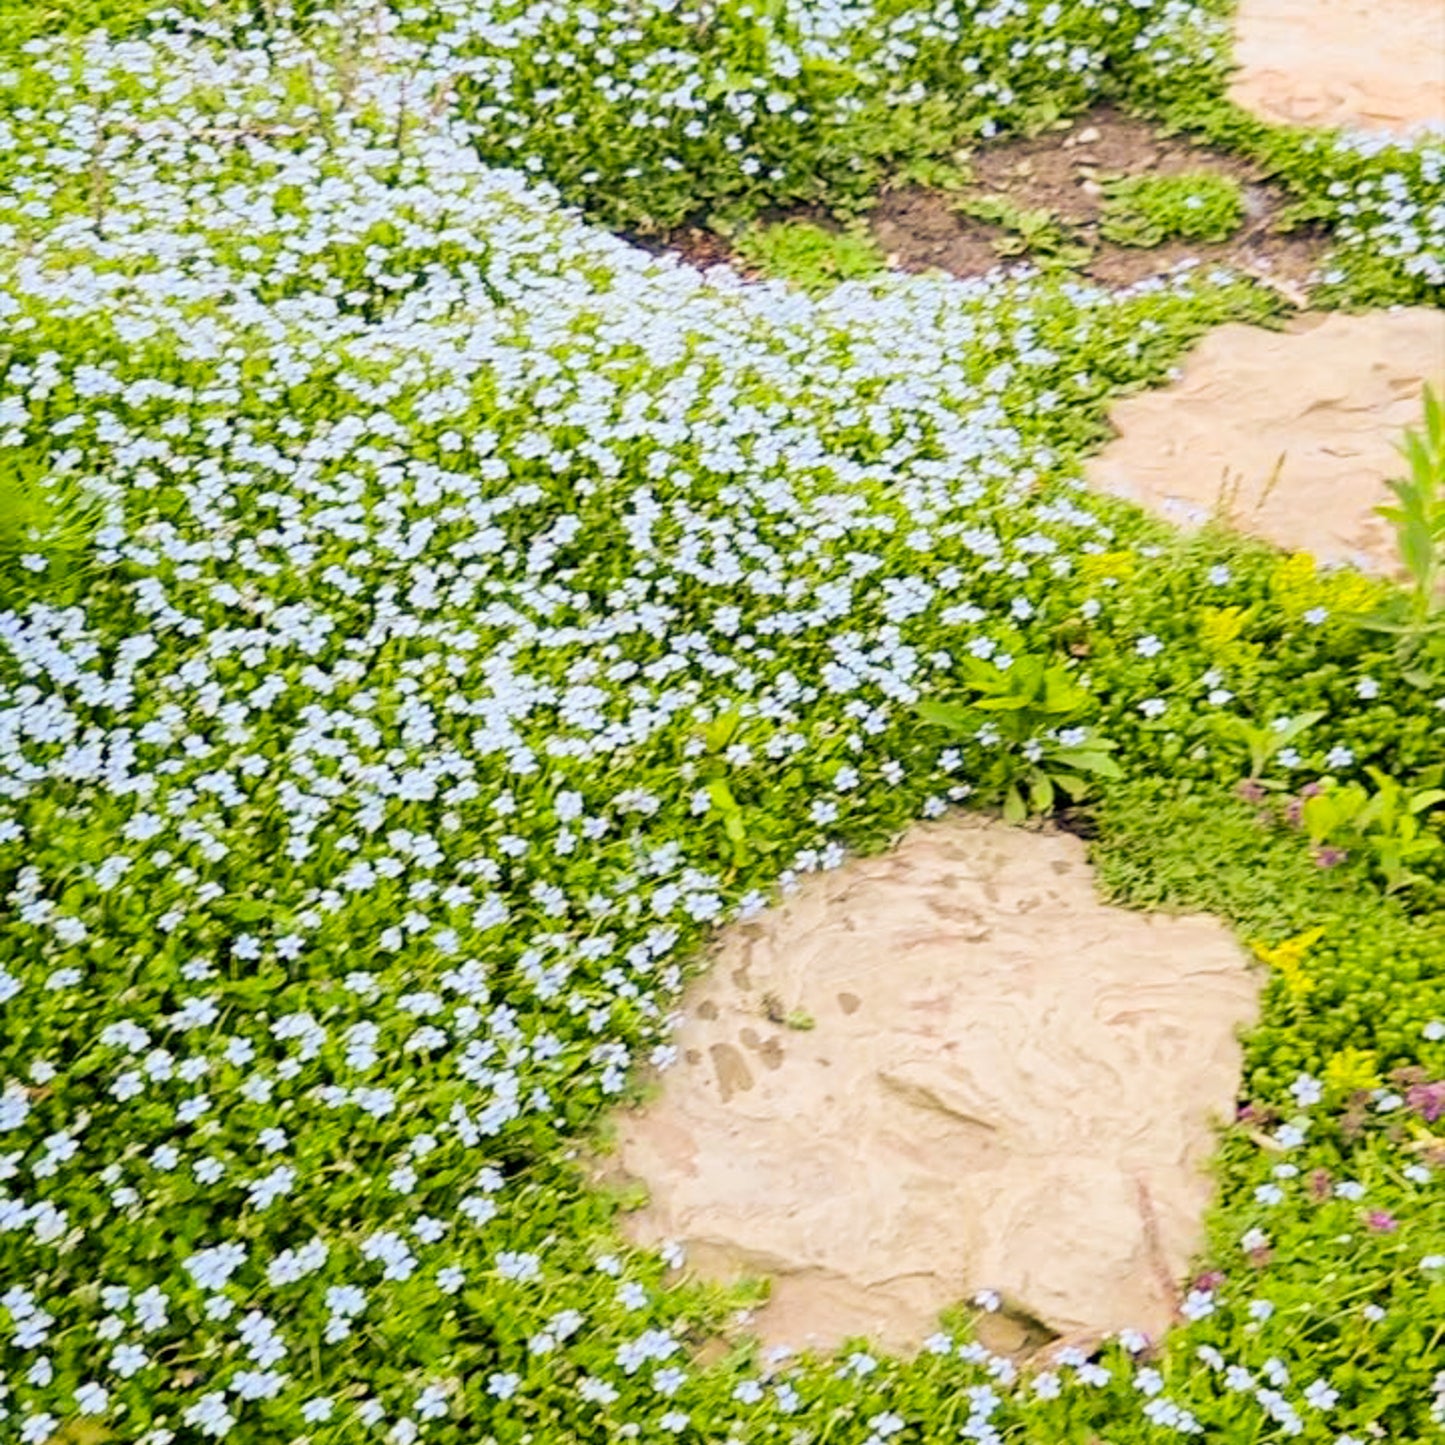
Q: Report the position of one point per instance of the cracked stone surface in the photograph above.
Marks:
(1374, 65)
(1007, 1085)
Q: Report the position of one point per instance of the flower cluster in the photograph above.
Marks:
(651, 113)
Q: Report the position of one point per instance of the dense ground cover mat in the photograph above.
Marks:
(425, 617)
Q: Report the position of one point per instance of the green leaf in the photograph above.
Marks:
(721, 730)
(1412, 629)
(1297, 725)
(1060, 693)
(722, 796)
(81, 1431)
(1076, 788)
(1090, 761)
(954, 717)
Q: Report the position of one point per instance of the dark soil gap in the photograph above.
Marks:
(1063, 171)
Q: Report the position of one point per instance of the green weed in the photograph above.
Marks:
(1032, 231)
(810, 255)
(1030, 717)
(46, 524)
(1198, 205)
(1390, 823)
(1263, 742)
(1415, 616)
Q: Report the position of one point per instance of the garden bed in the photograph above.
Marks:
(427, 621)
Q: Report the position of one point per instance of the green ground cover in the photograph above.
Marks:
(425, 617)
(1193, 206)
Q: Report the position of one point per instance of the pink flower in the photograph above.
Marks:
(1427, 1100)
(1295, 809)
(1379, 1221)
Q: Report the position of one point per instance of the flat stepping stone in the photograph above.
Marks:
(1007, 1085)
(1301, 425)
(1374, 65)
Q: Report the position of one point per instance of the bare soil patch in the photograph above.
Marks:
(699, 247)
(1063, 172)
(919, 230)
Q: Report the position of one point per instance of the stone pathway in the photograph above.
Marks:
(1366, 64)
(1301, 424)
(1008, 1085)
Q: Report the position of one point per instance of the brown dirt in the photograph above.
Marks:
(703, 248)
(1007, 1084)
(697, 246)
(1061, 172)
(918, 229)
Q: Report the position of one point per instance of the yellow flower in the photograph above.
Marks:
(1351, 1071)
(1219, 626)
(1093, 566)
(1287, 959)
(1354, 592)
(1295, 583)
(1298, 585)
